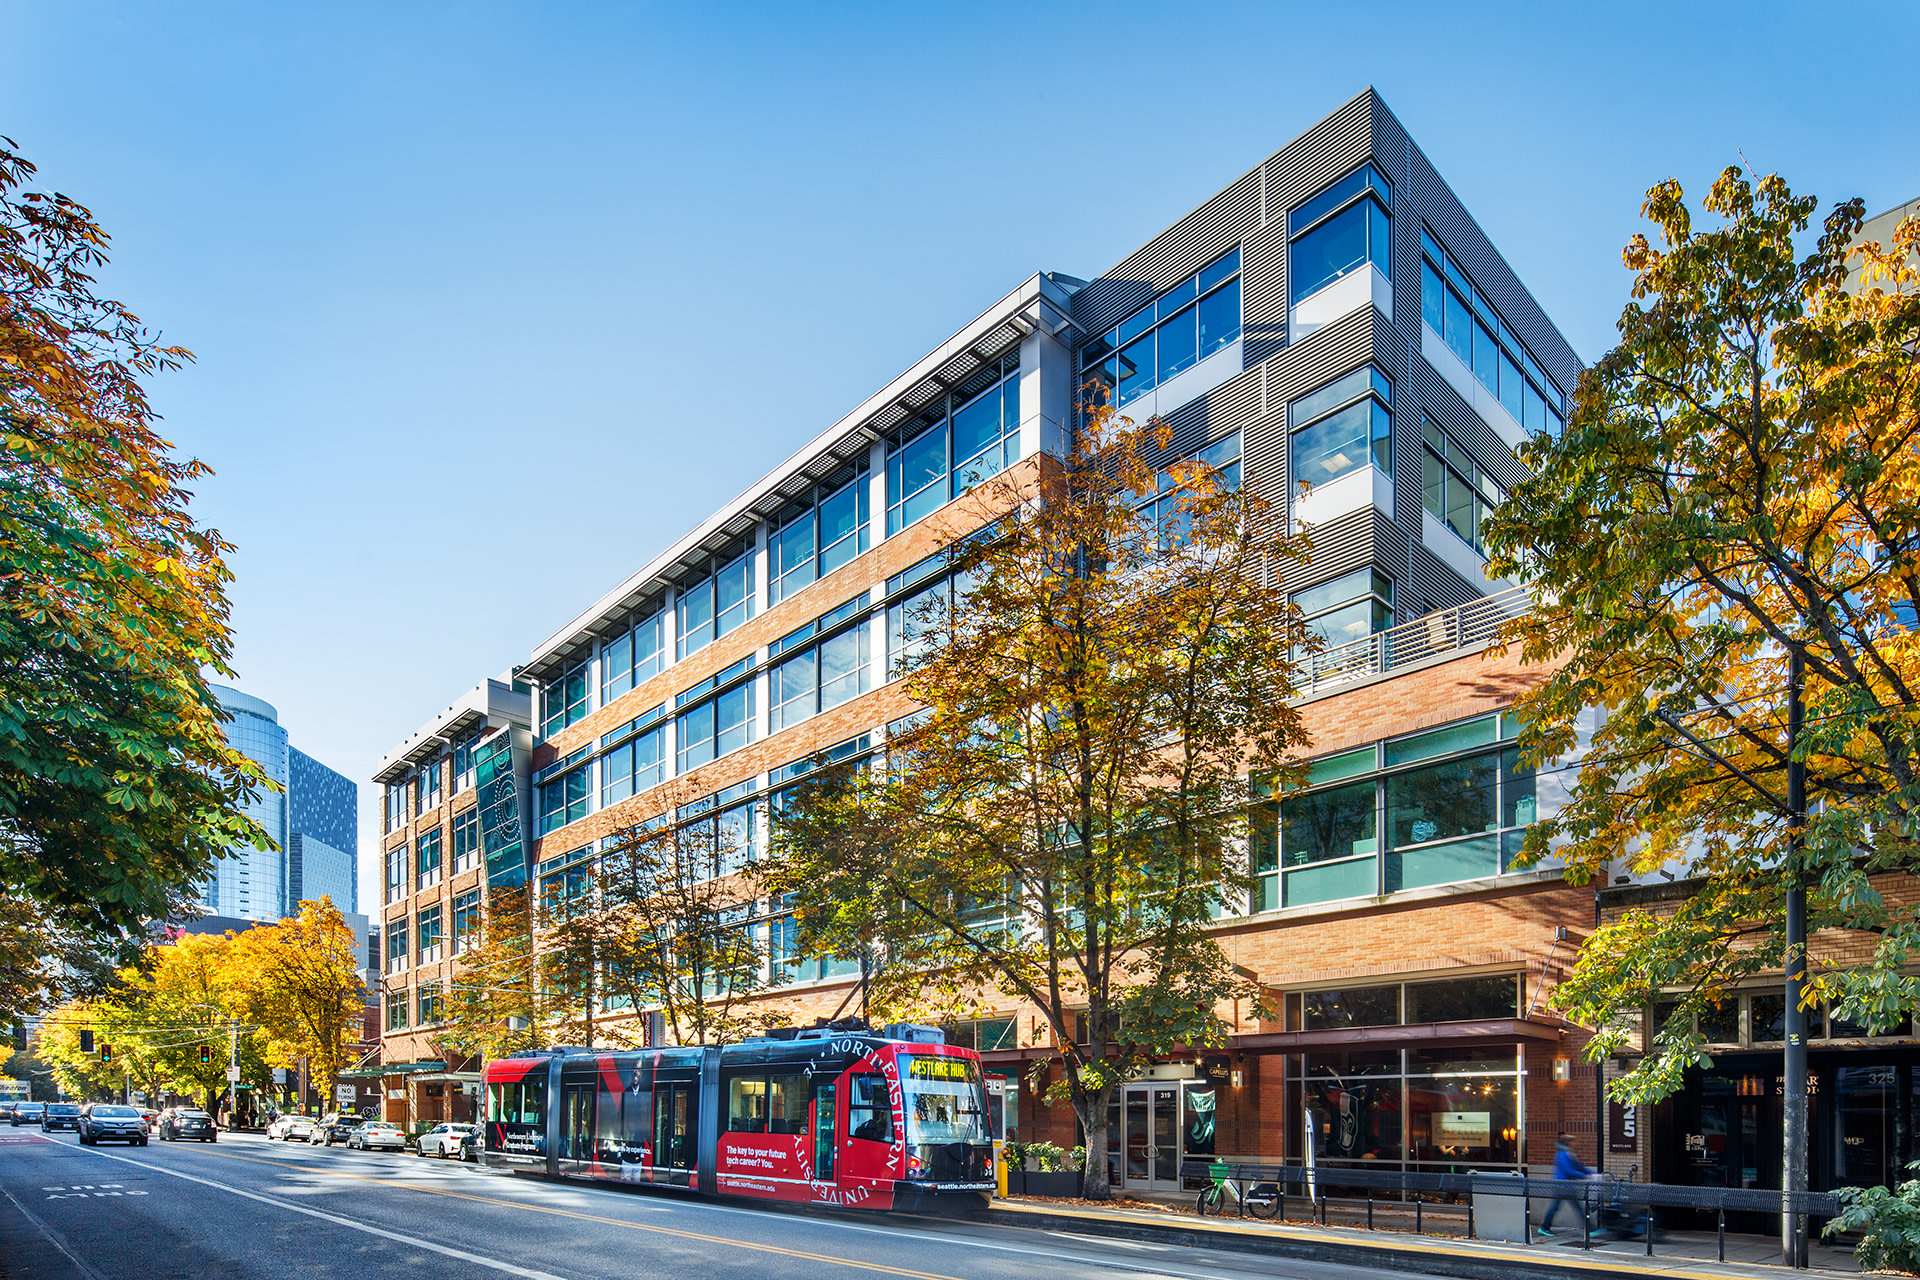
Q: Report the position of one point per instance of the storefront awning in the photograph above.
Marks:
(392, 1069)
(446, 1077)
(1413, 1035)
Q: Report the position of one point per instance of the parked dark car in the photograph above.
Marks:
(105, 1122)
(336, 1126)
(180, 1123)
(60, 1115)
(28, 1113)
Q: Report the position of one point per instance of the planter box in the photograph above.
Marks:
(1016, 1182)
(1052, 1184)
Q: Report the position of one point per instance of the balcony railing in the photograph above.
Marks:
(1470, 626)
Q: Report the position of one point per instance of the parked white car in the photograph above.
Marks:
(442, 1140)
(378, 1133)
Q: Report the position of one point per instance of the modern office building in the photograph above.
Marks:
(311, 820)
(1333, 316)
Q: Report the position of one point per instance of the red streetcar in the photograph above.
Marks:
(840, 1115)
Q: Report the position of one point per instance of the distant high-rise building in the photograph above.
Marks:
(312, 821)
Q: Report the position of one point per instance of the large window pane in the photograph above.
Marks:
(1510, 384)
(1464, 1118)
(1328, 824)
(696, 616)
(1486, 363)
(733, 594)
(922, 461)
(791, 688)
(843, 667)
(793, 556)
(1353, 1007)
(1341, 442)
(1378, 241)
(1353, 622)
(1219, 318)
(977, 426)
(1459, 330)
(1329, 251)
(1464, 1000)
(1442, 801)
(1136, 369)
(1177, 349)
(1432, 298)
(843, 523)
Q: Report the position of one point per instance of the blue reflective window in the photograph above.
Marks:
(1177, 344)
(1482, 340)
(1220, 318)
(976, 435)
(1365, 178)
(714, 604)
(815, 539)
(1357, 436)
(565, 700)
(1166, 336)
(1337, 247)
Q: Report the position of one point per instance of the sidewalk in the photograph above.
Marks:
(1443, 1250)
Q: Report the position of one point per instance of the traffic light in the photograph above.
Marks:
(106, 1053)
(206, 1054)
(86, 1042)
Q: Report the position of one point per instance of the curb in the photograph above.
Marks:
(1434, 1259)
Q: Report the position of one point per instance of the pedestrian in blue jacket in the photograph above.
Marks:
(1566, 1168)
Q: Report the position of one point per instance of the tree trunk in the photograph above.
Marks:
(1093, 1177)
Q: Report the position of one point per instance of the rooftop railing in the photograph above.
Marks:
(1473, 625)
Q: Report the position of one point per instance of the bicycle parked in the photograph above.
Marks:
(1262, 1200)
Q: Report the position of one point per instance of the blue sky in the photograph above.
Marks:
(492, 301)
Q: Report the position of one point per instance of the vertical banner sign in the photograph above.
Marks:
(1312, 1140)
(1623, 1127)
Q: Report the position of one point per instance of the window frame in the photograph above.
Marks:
(947, 483)
(427, 870)
(1318, 213)
(1375, 391)
(1446, 291)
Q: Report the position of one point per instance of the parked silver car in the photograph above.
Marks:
(378, 1133)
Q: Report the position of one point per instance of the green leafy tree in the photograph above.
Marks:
(117, 787)
(1738, 486)
(1068, 816)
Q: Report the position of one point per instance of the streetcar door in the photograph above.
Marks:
(673, 1111)
(576, 1125)
(825, 1128)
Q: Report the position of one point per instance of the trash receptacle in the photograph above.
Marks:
(1498, 1214)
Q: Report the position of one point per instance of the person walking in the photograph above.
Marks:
(1567, 1167)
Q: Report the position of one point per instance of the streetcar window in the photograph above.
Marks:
(515, 1103)
(767, 1104)
(869, 1113)
(747, 1105)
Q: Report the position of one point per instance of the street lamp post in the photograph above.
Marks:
(1794, 1120)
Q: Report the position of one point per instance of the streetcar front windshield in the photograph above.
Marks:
(944, 1099)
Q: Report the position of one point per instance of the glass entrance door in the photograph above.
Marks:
(1150, 1142)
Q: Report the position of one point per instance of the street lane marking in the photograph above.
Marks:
(510, 1204)
(54, 1238)
(477, 1259)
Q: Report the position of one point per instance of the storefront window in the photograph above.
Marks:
(1353, 1007)
(1356, 1114)
(1864, 1115)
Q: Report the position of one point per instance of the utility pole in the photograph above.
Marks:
(1794, 1125)
(233, 1074)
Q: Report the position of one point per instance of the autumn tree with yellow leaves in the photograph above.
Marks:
(298, 982)
(1069, 813)
(1738, 487)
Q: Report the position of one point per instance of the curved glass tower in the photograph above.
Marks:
(251, 884)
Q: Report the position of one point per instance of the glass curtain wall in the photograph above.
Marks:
(1450, 804)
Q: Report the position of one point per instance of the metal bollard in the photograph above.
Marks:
(1281, 1213)
(1649, 1226)
(1470, 1219)
(1720, 1230)
(1418, 1205)
(1369, 1206)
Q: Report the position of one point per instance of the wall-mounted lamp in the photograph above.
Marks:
(1562, 1070)
(1236, 1078)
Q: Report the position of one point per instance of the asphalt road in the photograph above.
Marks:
(246, 1207)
